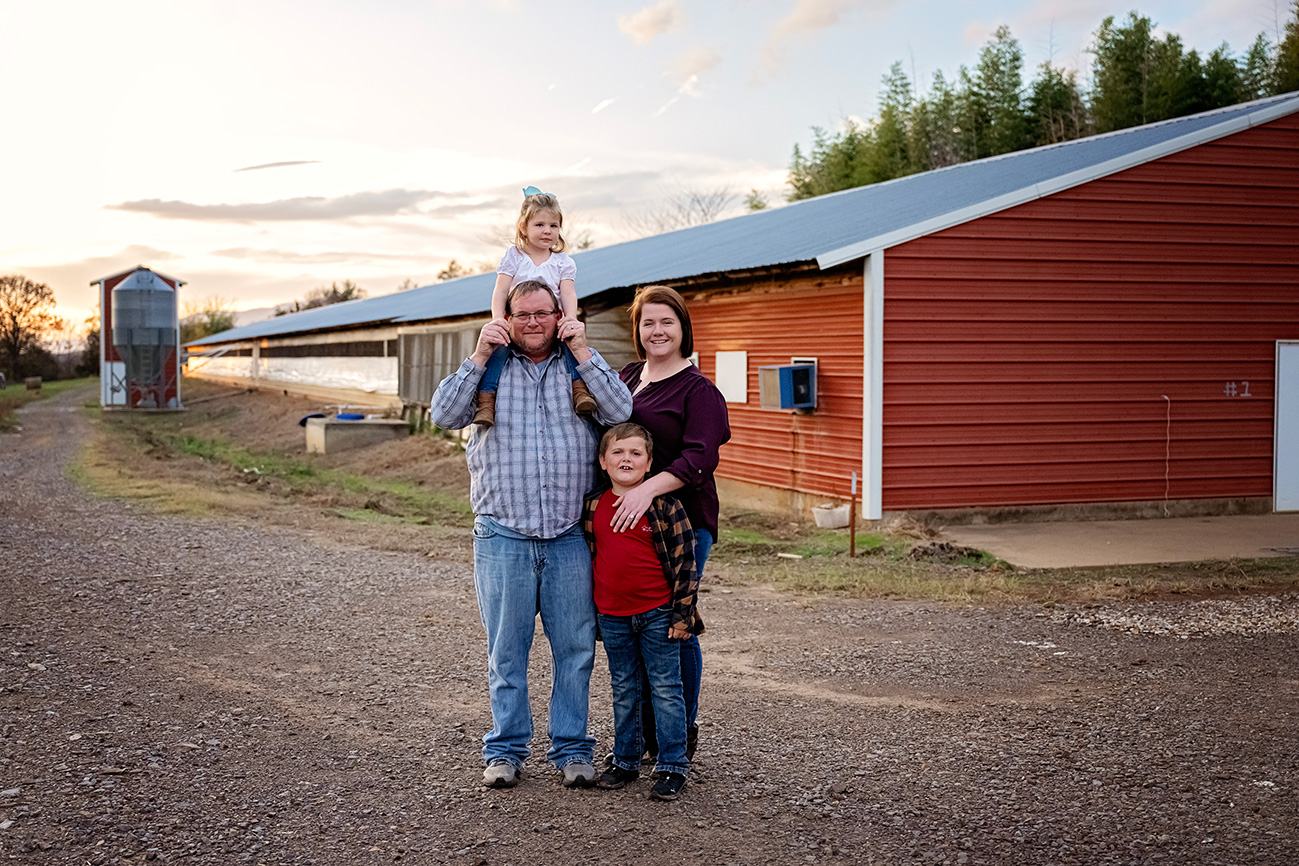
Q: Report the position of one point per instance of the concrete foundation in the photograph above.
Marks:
(329, 435)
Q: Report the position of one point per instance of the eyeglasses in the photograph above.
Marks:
(534, 317)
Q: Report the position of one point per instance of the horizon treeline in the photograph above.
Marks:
(985, 111)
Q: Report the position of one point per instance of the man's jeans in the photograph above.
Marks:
(638, 646)
(516, 578)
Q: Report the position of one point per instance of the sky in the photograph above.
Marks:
(259, 150)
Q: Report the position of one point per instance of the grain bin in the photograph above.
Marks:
(140, 340)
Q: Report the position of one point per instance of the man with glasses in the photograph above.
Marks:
(527, 476)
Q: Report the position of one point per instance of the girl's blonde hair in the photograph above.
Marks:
(531, 206)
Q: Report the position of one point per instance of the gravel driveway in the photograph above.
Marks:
(211, 691)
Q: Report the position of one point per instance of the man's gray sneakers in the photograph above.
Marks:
(579, 774)
(501, 774)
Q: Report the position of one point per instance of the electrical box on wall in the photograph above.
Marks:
(788, 386)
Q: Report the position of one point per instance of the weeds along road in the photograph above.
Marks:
(215, 691)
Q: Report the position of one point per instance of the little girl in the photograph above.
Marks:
(537, 254)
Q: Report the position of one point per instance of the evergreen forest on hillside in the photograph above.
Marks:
(1136, 78)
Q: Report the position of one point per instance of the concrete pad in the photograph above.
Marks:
(329, 435)
(1123, 542)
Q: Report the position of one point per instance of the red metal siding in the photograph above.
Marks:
(773, 320)
(106, 316)
(1027, 355)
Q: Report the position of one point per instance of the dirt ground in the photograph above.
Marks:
(242, 683)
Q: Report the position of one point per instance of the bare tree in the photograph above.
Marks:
(680, 210)
(26, 313)
(62, 339)
(212, 315)
(323, 296)
(89, 365)
(454, 270)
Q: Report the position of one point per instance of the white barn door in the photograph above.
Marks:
(1285, 474)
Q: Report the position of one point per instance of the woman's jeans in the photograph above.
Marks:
(692, 660)
(491, 379)
(516, 578)
(640, 652)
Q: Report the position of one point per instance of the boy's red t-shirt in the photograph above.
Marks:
(628, 576)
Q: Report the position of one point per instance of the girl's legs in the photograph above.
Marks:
(486, 412)
(583, 402)
(492, 375)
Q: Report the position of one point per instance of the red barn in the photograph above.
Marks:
(1111, 333)
(1112, 320)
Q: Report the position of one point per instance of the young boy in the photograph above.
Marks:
(645, 588)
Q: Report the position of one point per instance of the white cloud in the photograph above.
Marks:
(604, 103)
(808, 18)
(302, 208)
(652, 21)
(686, 68)
(278, 164)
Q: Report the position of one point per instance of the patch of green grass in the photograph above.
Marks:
(821, 542)
(15, 396)
(365, 497)
(876, 577)
(987, 580)
(367, 515)
(736, 543)
(885, 567)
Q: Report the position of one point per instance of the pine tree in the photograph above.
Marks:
(1056, 109)
(1256, 70)
(1000, 82)
(1121, 73)
(1285, 71)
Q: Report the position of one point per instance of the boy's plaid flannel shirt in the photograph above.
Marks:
(674, 541)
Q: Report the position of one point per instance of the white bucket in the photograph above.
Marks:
(830, 516)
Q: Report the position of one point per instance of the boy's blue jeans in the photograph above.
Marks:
(496, 363)
(637, 646)
(516, 578)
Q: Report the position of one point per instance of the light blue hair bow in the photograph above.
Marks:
(529, 191)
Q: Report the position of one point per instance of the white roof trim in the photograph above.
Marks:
(1054, 185)
(179, 282)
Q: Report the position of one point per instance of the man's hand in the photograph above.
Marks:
(573, 332)
(494, 333)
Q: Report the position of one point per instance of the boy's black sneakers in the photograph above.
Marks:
(668, 786)
(615, 777)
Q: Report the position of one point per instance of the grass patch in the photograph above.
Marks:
(746, 540)
(356, 497)
(99, 468)
(13, 397)
(886, 567)
(368, 515)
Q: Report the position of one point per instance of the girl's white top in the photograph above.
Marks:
(520, 268)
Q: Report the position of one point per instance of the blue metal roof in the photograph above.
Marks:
(828, 229)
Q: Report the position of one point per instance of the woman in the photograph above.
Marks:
(686, 415)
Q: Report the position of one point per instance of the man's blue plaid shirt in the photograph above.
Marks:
(530, 470)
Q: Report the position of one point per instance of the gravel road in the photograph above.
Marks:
(216, 691)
